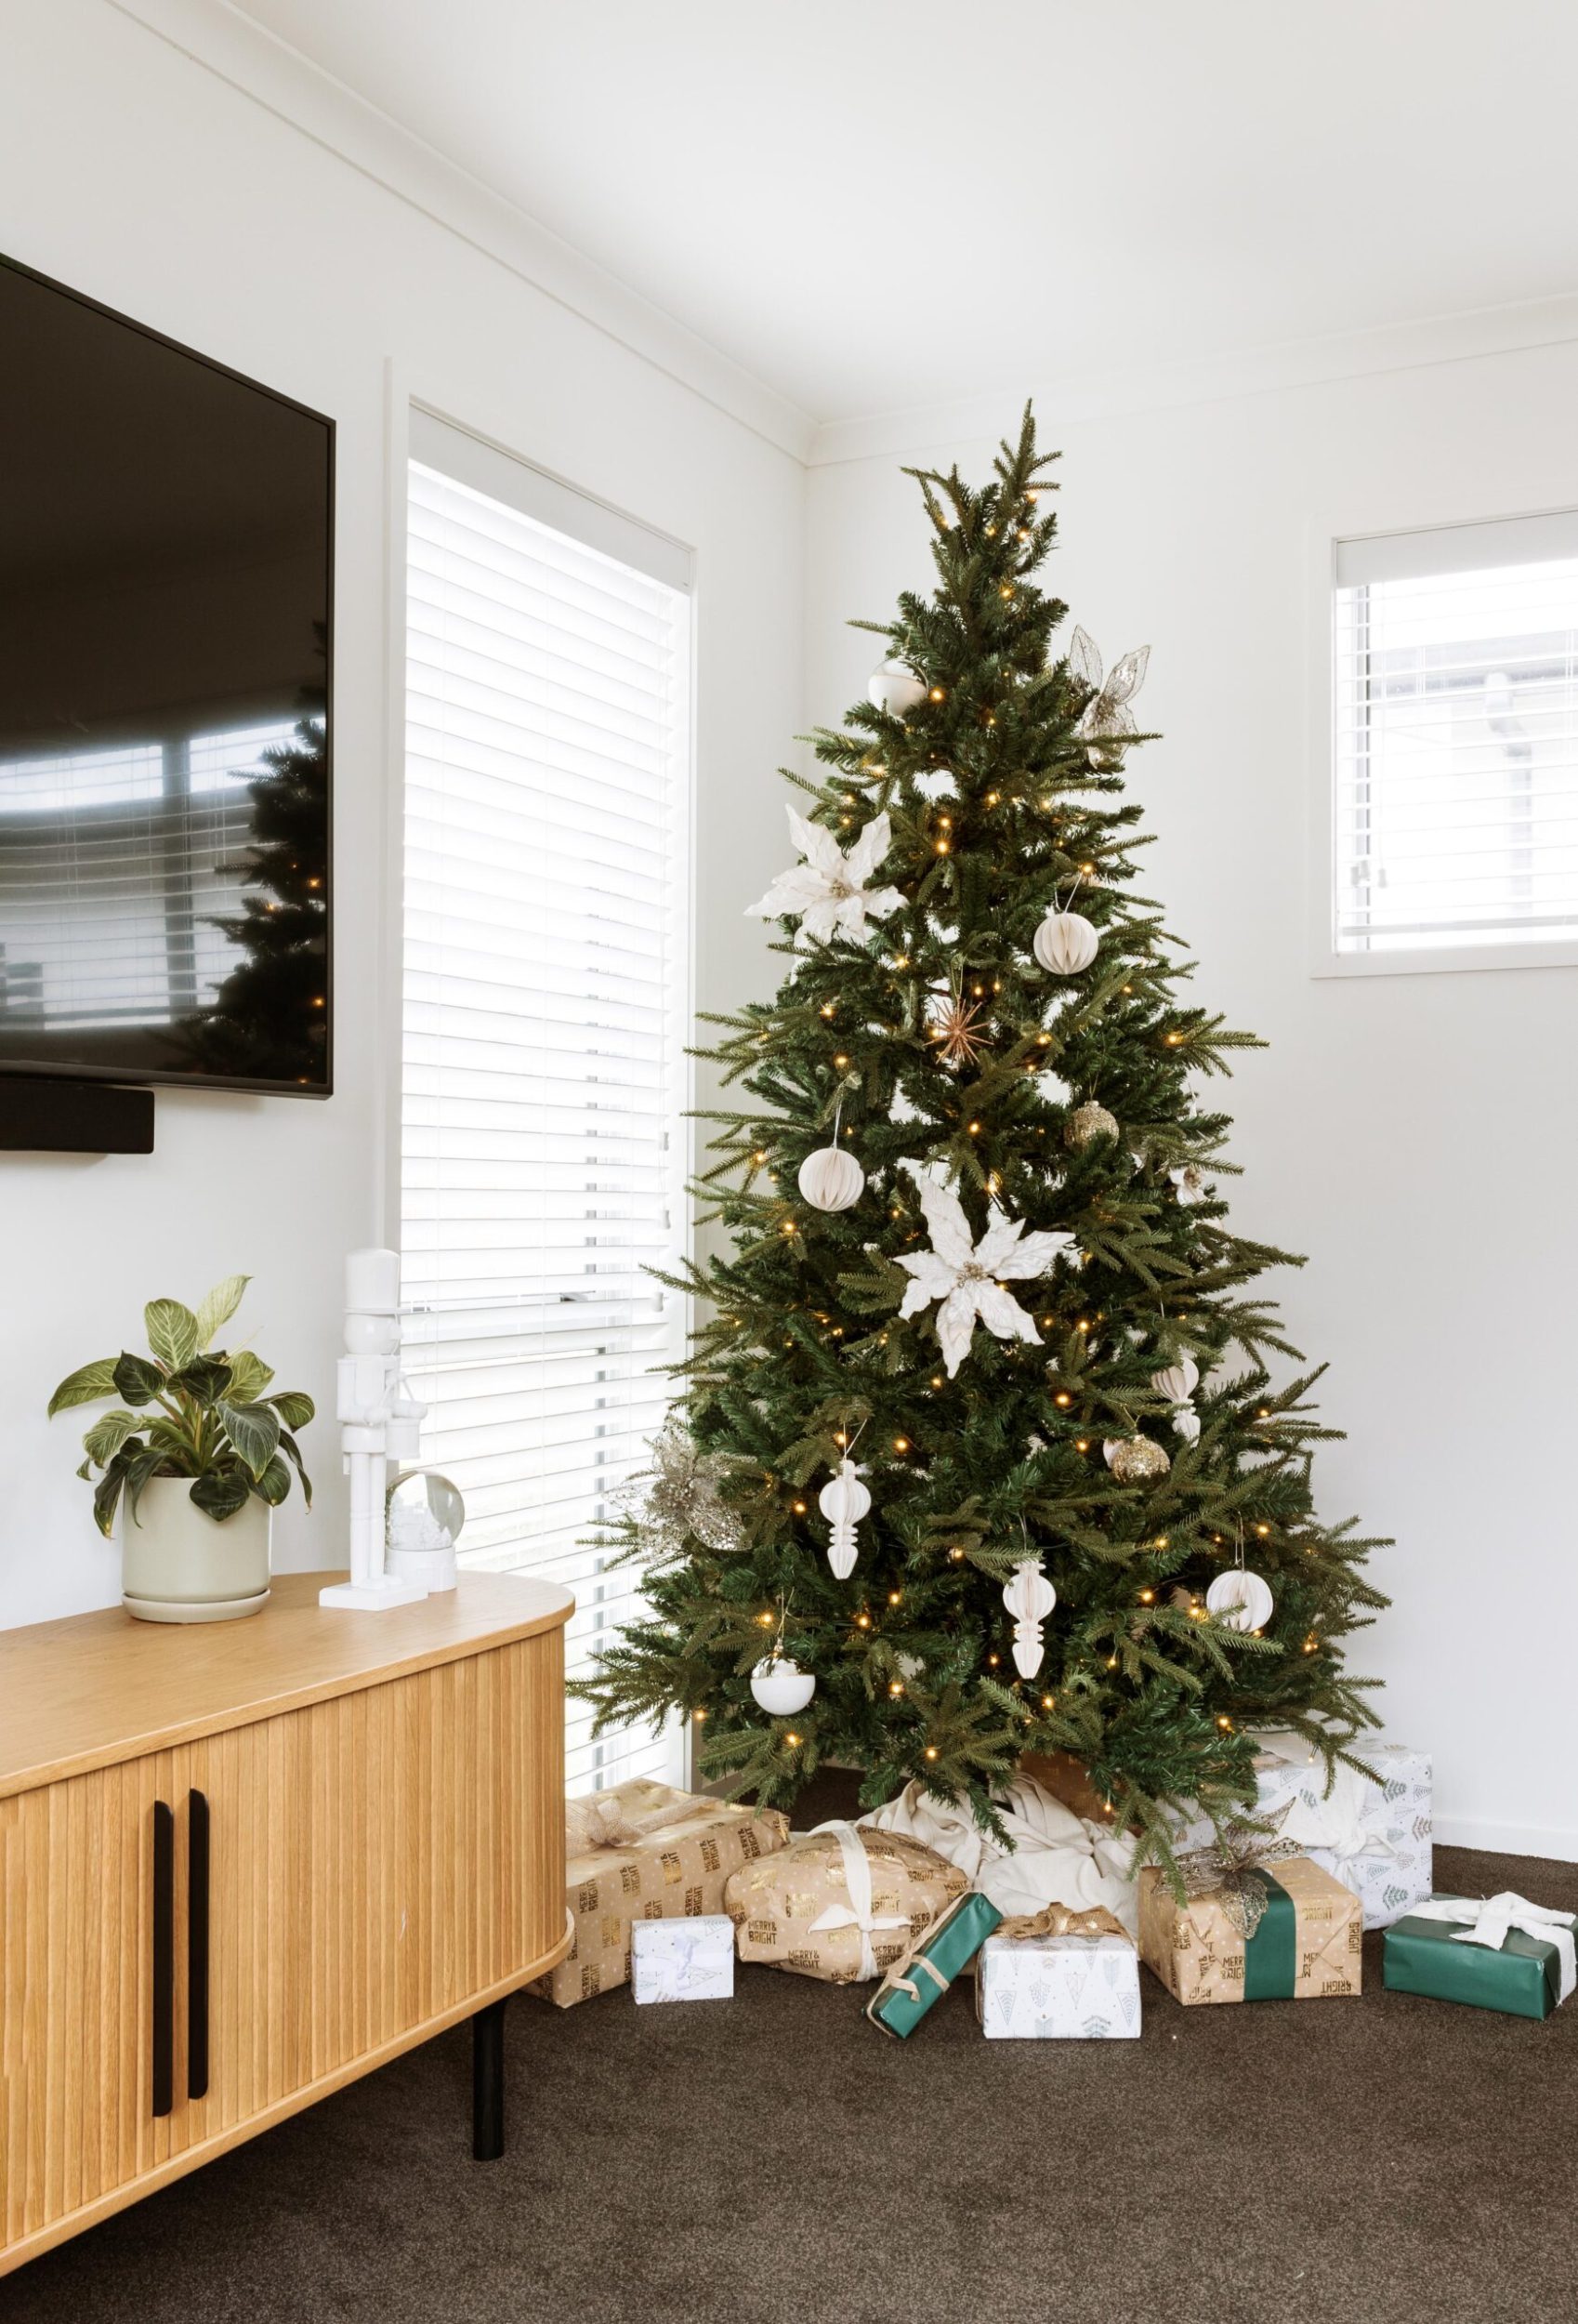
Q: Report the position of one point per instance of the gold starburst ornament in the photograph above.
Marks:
(960, 1029)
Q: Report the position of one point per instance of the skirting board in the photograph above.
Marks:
(1557, 1842)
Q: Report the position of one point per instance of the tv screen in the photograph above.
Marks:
(166, 536)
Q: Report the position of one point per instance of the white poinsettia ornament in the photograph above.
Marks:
(967, 1276)
(830, 891)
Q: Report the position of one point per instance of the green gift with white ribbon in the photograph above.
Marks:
(931, 1964)
(1495, 1952)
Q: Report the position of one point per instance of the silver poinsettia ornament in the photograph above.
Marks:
(678, 1498)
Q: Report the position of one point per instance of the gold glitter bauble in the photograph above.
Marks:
(1090, 1121)
(1135, 1459)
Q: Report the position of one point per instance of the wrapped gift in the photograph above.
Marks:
(1257, 1923)
(932, 1963)
(1059, 1977)
(1502, 1953)
(1373, 1833)
(841, 1902)
(683, 1961)
(645, 1851)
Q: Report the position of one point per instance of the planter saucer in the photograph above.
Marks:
(194, 1609)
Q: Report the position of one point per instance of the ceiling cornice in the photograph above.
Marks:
(1253, 371)
(284, 82)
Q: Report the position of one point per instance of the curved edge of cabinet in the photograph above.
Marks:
(105, 2206)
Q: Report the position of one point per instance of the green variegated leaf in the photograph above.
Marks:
(138, 1380)
(84, 1386)
(140, 1466)
(288, 1444)
(254, 1430)
(219, 1307)
(249, 1375)
(274, 1484)
(106, 1494)
(172, 1332)
(104, 1439)
(207, 1379)
(222, 1491)
(294, 1408)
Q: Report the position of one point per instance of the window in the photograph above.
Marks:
(544, 1015)
(1454, 829)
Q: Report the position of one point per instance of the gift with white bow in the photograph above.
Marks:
(841, 1902)
(1493, 1952)
(1371, 1832)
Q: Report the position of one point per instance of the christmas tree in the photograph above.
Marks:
(980, 1431)
(270, 1019)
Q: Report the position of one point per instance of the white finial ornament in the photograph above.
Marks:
(1029, 1598)
(1177, 1381)
(844, 1501)
(380, 1420)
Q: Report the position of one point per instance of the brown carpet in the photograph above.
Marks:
(777, 2160)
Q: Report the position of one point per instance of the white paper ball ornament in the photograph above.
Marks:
(1065, 943)
(831, 1179)
(895, 688)
(781, 1687)
(1241, 1600)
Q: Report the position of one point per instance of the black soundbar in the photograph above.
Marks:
(74, 1117)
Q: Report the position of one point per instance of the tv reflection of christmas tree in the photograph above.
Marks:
(271, 1016)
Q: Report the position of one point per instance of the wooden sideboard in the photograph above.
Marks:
(243, 1863)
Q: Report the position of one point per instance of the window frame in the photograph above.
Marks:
(554, 498)
(1327, 536)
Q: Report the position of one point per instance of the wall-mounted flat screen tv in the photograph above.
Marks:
(166, 551)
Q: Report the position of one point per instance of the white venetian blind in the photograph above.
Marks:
(1455, 809)
(546, 998)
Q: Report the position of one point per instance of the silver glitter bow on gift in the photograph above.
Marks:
(677, 1498)
(1224, 1870)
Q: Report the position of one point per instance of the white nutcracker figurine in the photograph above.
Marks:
(380, 1420)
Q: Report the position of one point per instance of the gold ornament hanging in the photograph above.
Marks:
(1135, 1459)
(958, 1029)
(1090, 1121)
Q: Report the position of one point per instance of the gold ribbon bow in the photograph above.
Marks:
(1223, 1870)
(1063, 1920)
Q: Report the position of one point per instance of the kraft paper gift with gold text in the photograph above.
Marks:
(646, 1852)
(841, 1902)
(1311, 1933)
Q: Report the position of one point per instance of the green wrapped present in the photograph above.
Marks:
(1501, 1953)
(949, 1945)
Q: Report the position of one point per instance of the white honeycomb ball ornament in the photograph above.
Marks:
(1241, 1600)
(1176, 1381)
(895, 688)
(781, 1687)
(1065, 943)
(1135, 1459)
(831, 1179)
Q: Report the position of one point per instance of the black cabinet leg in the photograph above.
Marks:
(487, 2083)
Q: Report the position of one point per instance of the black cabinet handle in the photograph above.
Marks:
(197, 1946)
(163, 2013)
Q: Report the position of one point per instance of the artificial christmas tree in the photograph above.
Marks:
(1029, 1334)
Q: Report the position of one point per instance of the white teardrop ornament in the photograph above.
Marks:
(1241, 1600)
(1029, 1598)
(844, 1501)
(831, 1179)
(1065, 943)
(895, 688)
(781, 1687)
(1176, 1381)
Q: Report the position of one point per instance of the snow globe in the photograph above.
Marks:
(423, 1514)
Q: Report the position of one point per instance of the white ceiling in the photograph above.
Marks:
(877, 204)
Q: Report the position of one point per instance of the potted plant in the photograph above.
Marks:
(198, 1454)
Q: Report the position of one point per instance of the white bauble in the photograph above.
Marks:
(1065, 943)
(781, 1687)
(1241, 1600)
(896, 689)
(831, 1179)
(1029, 1598)
(1176, 1381)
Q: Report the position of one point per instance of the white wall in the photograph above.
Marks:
(1412, 1134)
(133, 173)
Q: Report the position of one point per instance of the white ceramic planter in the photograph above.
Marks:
(179, 1565)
